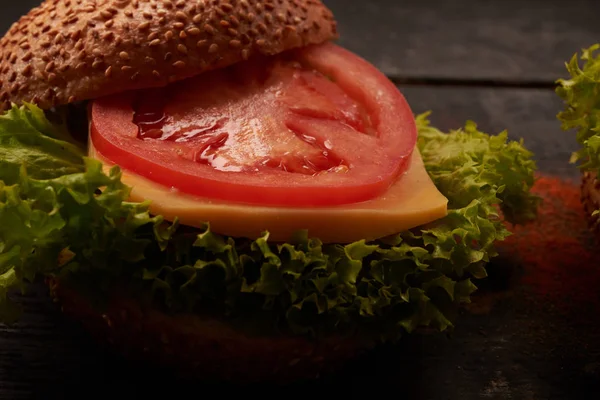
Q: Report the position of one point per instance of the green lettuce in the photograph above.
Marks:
(74, 221)
(581, 96)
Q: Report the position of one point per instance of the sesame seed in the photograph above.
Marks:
(179, 64)
(155, 42)
(123, 55)
(213, 48)
(182, 49)
(209, 29)
(290, 29)
(143, 26)
(193, 31)
(235, 44)
(108, 72)
(169, 35)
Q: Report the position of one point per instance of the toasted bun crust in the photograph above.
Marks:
(590, 198)
(71, 50)
(209, 349)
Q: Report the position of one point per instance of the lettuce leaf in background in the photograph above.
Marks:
(75, 221)
(581, 96)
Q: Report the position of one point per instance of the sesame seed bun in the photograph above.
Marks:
(205, 347)
(66, 51)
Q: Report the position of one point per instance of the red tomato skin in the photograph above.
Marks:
(374, 161)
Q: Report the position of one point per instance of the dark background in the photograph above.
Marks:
(494, 62)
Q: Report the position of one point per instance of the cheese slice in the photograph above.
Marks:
(412, 201)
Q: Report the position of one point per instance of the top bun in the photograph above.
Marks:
(66, 51)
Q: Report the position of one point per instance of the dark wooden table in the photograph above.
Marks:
(490, 61)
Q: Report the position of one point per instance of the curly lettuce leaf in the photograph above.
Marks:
(29, 139)
(469, 165)
(81, 226)
(581, 96)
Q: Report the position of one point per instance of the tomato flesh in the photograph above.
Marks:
(313, 127)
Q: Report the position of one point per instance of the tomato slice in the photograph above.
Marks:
(314, 127)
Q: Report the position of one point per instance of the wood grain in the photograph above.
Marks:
(514, 41)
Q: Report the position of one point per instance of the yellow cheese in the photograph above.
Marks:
(412, 201)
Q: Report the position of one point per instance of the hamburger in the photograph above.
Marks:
(217, 187)
(581, 95)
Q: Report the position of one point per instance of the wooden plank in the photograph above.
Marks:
(515, 348)
(516, 41)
